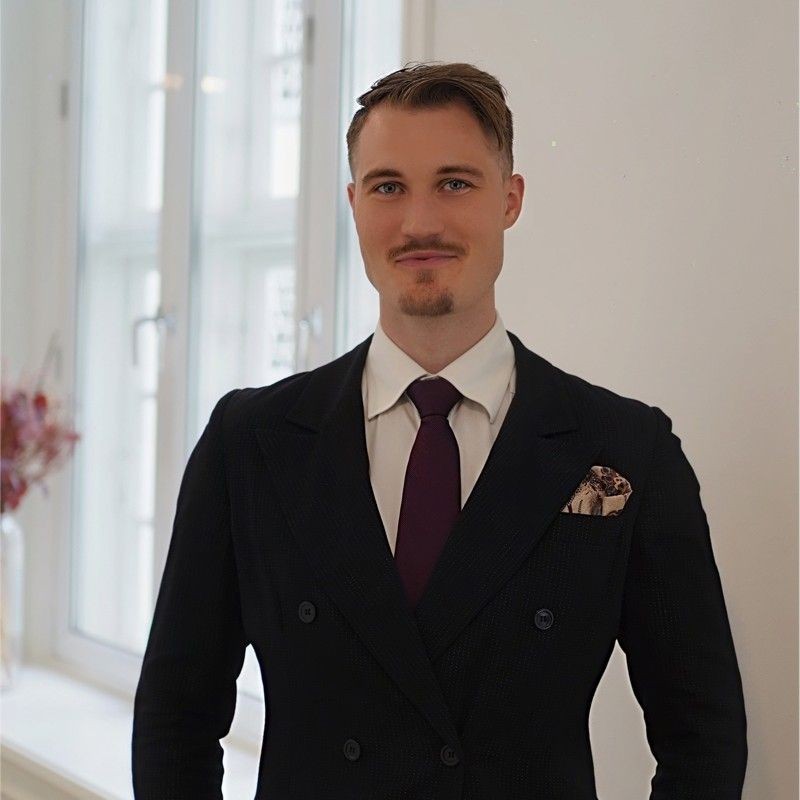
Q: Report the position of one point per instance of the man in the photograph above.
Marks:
(434, 541)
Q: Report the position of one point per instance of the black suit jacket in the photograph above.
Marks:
(483, 691)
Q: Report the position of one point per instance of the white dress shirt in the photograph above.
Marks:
(486, 376)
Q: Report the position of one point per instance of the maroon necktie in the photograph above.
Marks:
(432, 489)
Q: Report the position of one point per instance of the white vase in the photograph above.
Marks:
(12, 565)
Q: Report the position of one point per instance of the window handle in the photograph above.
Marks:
(161, 321)
(310, 324)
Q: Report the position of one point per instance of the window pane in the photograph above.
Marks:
(122, 131)
(247, 145)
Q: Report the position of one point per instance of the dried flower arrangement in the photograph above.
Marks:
(33, 440)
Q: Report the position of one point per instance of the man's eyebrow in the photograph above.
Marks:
(448, 169)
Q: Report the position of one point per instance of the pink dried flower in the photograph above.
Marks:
(33, 441)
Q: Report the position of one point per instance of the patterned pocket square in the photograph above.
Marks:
(603, 492)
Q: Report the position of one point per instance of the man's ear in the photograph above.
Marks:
(351, 189)
(514, 195)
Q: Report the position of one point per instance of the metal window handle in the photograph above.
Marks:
(310, 324)
(161, 320)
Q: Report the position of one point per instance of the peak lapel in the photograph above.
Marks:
(317, 458)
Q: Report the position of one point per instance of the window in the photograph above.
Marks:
(209, 256)
(120, 208)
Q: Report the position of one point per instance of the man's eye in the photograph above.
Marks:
(392, 183)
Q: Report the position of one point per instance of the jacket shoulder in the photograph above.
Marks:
(610, 414)
(257, 406)
(253, 405)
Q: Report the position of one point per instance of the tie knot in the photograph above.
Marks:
(433, 396)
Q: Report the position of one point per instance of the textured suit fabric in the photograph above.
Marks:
(484, 690)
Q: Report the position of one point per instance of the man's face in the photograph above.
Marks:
(402, 203)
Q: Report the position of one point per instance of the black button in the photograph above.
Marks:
(352, 750)
(307, 611)
(543, 618)
(448, 756)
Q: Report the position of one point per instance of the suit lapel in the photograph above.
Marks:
(317, 458)
(538, 458)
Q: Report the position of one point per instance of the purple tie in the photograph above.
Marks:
(432, 490)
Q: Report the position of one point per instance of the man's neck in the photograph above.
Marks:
(435, 342)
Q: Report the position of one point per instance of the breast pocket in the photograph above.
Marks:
(596, 529)
(580, 551)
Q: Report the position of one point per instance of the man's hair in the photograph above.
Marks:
(432, 84)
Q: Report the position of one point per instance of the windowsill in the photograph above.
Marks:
(75, 740)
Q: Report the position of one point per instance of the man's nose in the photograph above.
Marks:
(422, 218)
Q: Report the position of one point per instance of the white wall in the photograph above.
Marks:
(33, 251)
(16, 166)
(656, 255)
(34, 143)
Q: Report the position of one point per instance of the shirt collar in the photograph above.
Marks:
(481, 373)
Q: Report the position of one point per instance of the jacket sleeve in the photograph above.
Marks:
(186, 695)
(675, 633)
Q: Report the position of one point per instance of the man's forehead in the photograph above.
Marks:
(389, 149)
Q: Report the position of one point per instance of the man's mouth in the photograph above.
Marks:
(427, 261)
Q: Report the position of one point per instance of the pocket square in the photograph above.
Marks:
(603, 492)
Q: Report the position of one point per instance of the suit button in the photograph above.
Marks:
(352, 750)
(543, 618)
(448, 756)
(307, 611)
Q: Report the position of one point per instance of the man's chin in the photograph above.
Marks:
(414, 304)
